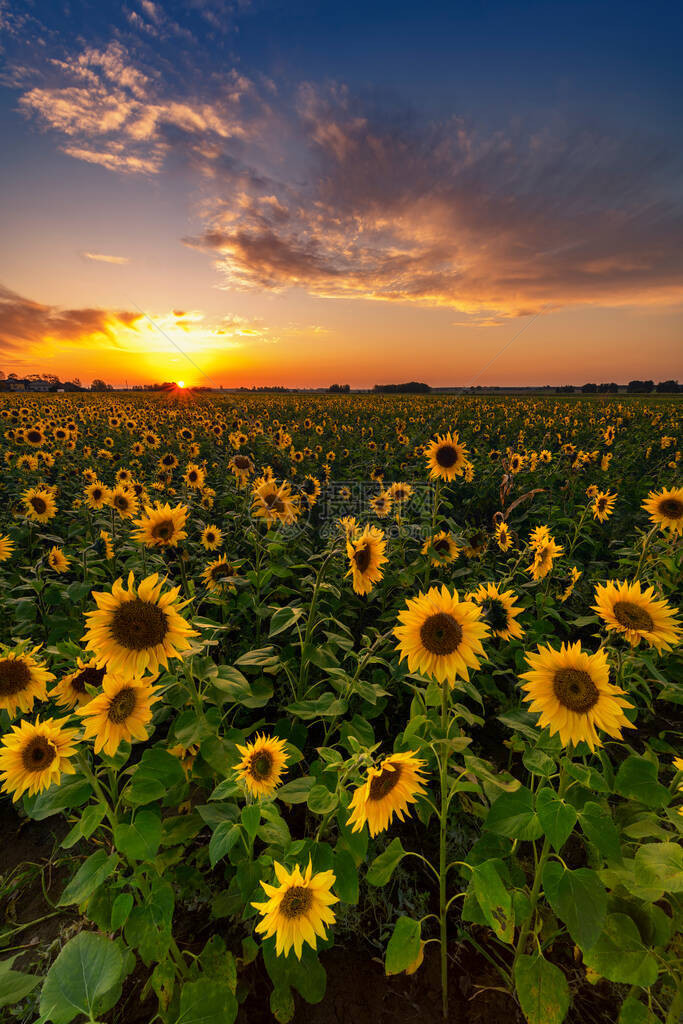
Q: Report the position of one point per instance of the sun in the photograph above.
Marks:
(180, 383)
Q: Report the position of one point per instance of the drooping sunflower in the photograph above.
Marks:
(446, 456)
(33, 756)
(499, 610)
(23, 679)
(137, 629)
(96, 495)
(666, 508)
(6, 547)
(637, 613)
(161, 526)
(57, 560)
(442, 548)
(39, 504)
(219, 575)
(212, 538)
(120, 712)
(603, 505)
(366, 555)
(503, 536)
(263, 765)
(544, 556)
(106, 544)
(441, 635)
(242, 467)
(298, 909)
(387, 791)
(571, 690)
(71, 690)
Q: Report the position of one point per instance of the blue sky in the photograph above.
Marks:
(314, 186)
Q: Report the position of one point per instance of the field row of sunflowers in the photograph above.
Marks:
(283, 671)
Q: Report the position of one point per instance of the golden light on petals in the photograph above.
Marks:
(121, 712)
(388, 791)
(263, 765)
(33, 756)
(297, 910)
(637, 614)
(440, 635)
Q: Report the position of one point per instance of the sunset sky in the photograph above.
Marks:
(306, 192)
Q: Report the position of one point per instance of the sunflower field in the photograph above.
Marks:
(318, 707)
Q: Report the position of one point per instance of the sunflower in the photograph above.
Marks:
(161, 526)
(35, 437)
(123, 499)
(503, 536)
(194, 476)
(381, 504)
(23, 679)
(263, 764)
(544, 556)
(499, 610)
(212, 538)
(446, 456)
(400, 493)
(6, 547)
(603, 505)
(571, 690)
(574, 576)
(139, 628)
(273, 503)
(71, 690)
(666, 508)
(637, 614)
(106, 544)
(242, 467)
(310, 490)
(33, 756)
(57, 560)
(219, 575)
(442, 548)
(678, 765)
(388, 790)
(366, 555)
(39, 504)
(96, 495)
(297, 909)
(120, 713)
(441, 635)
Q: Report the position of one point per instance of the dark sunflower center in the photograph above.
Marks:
(602, 504)
(96, 494)
(575, 690)
(121, 502)
(362, 558)
(137, 625)
(400, 495)
(261, 765)
(446, 456)
(168, 460)
(382, 784)
(442, 546)
(15, 676)
(192, 476)
(496, 613)
(90, 676)
(672, 508)
(222, 572)
(122, 705)
(296, 901)
(308, 487)
(242, 462)
(39, 505)
(38, 754)
(34, 436)
(632, 616)
(163, 530)
(441, 634)
(274, 503)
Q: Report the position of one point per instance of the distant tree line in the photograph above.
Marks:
(339, 389)
(413, 387)
(634, 387)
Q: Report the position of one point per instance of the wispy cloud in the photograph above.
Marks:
(101, 257)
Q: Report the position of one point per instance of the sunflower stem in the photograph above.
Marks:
(443, 869)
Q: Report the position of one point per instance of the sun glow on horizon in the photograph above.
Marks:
(180, 384)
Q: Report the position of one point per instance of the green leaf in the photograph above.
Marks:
(82, 979)
(140, 840)
(89, 877)
(579, 899)
(148, 928)
(282, 1004)
(15, 985)
(59, 797)
(157, 772)
(321, 800)
(513, 815)
(404, 945)
(634, 1012)
(92, 816)
(383, 867)
(620, 956)
(123, 904)
(556, 817)
(637, 779)
(207, 1002)
(660, 864)
(542, 990)
(251, 818)
(494, 900)
(296, 791)
(222, 841)
(599, 829)
(346, 873)
(284, 618)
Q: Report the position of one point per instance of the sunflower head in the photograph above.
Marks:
(440, 635)
(33, 756)
(366, 555)
(388, 790)
(665, 508)
(446, 457)
(120, 713)
(298, 909)
(73, 689)
(263, 765)
(23, 678)
(161, 526)
(637, 614)
(499, 610)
